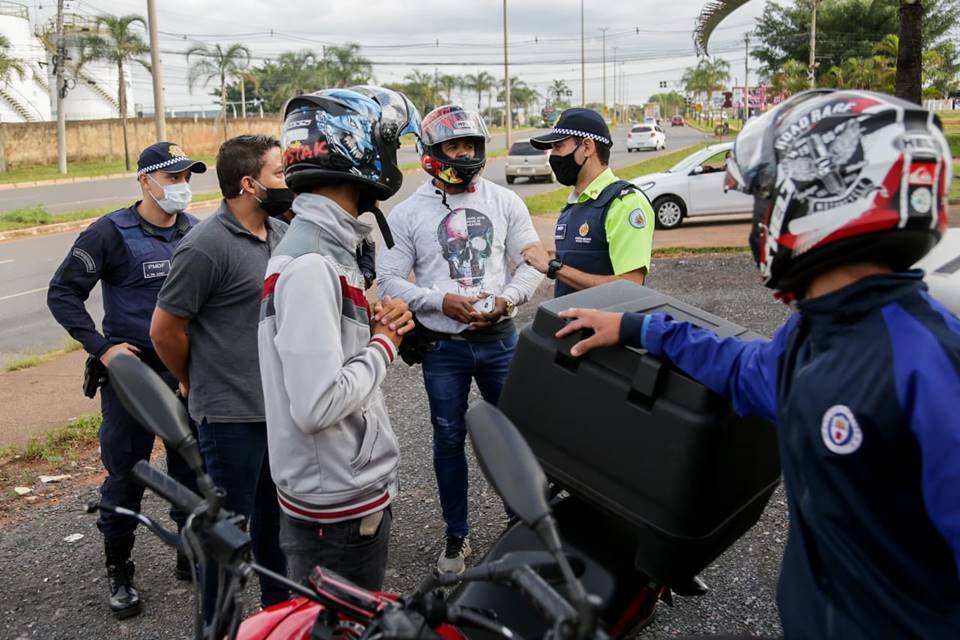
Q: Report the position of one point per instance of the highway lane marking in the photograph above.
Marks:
(22, 293)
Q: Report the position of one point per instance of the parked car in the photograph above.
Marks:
(646, 136)
(676, 121)
(693, 187)
(526, 161)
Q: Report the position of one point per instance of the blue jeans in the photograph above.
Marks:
(447, 373)
(235, 454)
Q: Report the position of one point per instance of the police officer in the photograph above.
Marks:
(605, 231)
(128, 252)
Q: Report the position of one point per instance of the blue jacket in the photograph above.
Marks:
(131, 259)
(864, 387)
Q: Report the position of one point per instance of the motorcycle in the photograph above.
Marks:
(584, 563)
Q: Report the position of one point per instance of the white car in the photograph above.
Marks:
(646, 136)
(693, 187)
(942, 267)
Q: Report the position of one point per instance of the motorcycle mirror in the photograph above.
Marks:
(148, 399)
(508, 463)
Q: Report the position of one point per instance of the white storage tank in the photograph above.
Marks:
(24, 99)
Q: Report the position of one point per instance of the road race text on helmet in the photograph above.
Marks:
(452, 122)
(840, 177)
(339, 135)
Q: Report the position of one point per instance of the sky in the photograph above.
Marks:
(650, 40)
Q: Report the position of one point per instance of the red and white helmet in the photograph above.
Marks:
(839, 177)
(451, 122)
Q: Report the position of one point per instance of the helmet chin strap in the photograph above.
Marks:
(371, 205)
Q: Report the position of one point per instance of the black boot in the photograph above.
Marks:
(124, 597)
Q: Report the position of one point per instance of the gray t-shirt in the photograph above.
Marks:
(216, 282)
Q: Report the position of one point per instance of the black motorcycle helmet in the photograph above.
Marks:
(353, 134)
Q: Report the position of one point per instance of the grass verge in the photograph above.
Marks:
(25, 362)
(57, 446)
(83, 169)
(552, 201)
(681, 252)
(38, 216)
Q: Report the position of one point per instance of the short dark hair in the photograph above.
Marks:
(240, 157)
(603, 150)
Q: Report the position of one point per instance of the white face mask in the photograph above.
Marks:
(176, 197)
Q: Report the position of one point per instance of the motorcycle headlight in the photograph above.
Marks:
(646, 185)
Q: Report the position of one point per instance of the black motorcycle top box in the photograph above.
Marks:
(659, 452)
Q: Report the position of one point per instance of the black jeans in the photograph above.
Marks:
(122, 443)
(338, 547)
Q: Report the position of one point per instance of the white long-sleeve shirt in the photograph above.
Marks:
(465, 248)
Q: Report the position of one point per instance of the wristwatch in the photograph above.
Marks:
(552, 267)
(510, 307)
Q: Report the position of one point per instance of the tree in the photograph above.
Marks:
(345, 66)
(670, 103)
(419, 88)
(448, 82)
(521, 95)
(481, 82)
(909, 81)
(845, 29)
(116, 42)
(790, 78)
(297, 72)
(707, 77)
(8, 64)
(217, 63)
(559, 91)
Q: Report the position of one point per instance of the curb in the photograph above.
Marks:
(73, 225)
(44, 183)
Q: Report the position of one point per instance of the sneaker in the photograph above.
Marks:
(452, 558)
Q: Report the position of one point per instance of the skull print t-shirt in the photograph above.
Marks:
(464, 246)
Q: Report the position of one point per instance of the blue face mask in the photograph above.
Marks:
(176, 197)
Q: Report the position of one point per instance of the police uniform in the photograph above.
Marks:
(606, 230)
(130, 258)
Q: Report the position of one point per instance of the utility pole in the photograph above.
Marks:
(159, 114)
(583, 63)
(746, 76)
(604, 30)
(506, 78)
(616, 79)
(812, 70)
(61, 60)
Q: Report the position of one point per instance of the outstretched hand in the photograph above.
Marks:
(604, 324)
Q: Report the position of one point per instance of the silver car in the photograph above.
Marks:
(526, 161)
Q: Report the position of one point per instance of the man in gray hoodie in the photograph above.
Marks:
(323, 350)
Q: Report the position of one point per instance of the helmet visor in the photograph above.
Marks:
(452, 125)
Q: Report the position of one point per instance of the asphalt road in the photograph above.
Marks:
(26, 266)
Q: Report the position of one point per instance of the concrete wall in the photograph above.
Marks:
(35, 143)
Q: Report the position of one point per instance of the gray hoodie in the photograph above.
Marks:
(333, 454)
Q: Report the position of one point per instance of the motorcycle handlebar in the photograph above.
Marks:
(545, 598)
(165, 487)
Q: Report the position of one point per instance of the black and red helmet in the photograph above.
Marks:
(840, 177)
(451, 122)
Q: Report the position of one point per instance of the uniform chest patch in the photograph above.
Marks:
(156, 269)
(561, 232)
(840, 431)
(583, 234)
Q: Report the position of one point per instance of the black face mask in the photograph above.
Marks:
(277, 201)
(566, 168)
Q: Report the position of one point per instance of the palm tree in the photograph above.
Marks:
(115, 41)
(8, 65)
(479, 82)
(448, 82)
(707, 77)
(422, 86)
(215, 62)
(791, 78)
(909, 72)
(300, 73)
(559, 90)
(346, 67)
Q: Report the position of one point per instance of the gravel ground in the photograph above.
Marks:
(55, 589)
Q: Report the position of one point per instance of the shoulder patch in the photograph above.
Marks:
(638, 219)
(840, 431)
(88, 263)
